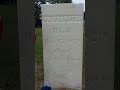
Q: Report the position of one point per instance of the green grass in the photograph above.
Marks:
(39, 75)
(39, 46)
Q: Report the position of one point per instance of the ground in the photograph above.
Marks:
(39, 73)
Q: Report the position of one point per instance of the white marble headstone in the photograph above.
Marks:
(62, 30)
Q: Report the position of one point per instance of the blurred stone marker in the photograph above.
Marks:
(9, 48)
(62, 29)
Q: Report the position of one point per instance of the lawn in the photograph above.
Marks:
(39, 60)
(38, 48)
(39, 75)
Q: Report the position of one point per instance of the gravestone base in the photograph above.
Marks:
(65, 89)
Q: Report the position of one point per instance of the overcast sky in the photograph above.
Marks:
(79, 1)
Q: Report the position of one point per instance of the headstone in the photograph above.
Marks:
(62, 29)
(117, 48)
(100, 44)
(26, 29)
(9, 49)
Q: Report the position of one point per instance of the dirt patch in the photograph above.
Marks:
(39, 76)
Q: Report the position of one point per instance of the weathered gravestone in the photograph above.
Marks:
(26, 29)
(62, 26)
(117, 47)
(100, 44)
(9, 49)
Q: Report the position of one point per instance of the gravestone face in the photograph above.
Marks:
(63, 45)
(100, 45)
(9, 49)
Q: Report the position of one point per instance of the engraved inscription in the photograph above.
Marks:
(62, 41)
(59, 50)
(62, 18)
(59, 30)
(97, 37)
(63, 59)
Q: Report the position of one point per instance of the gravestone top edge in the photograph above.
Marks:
(62, 4)
(62, 9)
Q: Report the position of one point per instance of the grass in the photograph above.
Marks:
(39, 75)
(39, 46)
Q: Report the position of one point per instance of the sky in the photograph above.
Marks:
(79, 1)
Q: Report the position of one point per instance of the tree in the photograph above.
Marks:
(37, 14)
(38, 21)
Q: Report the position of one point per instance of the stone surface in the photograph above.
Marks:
(63, 45)
(9, 49)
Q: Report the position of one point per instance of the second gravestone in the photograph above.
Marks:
(62, 26)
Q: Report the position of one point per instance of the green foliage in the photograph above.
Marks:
(37, 13)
